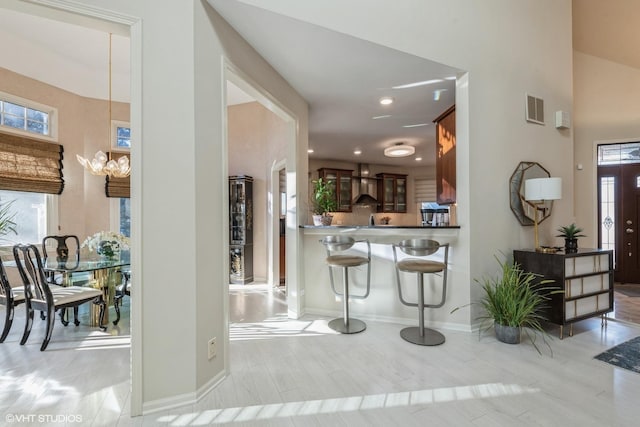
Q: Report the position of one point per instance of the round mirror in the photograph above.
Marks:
(522, 209)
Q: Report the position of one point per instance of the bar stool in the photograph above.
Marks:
(333, 245)
(421, 266)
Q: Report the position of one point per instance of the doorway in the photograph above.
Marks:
(618, 218)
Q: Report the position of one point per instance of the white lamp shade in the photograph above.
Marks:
(543, 189)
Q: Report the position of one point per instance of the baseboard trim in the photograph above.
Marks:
(181, 400)
(391, 319)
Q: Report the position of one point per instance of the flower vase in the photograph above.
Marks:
(108, 250)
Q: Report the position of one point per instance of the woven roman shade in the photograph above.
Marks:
(118, 187)
(32, 165)
(425, 190)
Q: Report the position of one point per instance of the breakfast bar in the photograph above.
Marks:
(382, 303)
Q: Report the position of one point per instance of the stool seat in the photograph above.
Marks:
(413, 265)
(346, 260)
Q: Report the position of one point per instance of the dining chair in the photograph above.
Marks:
(123, 289)
(41, 295)
(9, 297)
(63, 246)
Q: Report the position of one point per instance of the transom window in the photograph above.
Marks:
(24, 116)
(616, 154)
(120, 135)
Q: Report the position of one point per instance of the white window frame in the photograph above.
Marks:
(52, 223)
(115, 124)
(53, 118)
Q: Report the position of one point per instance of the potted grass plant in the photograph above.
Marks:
(570, 233)
(513, 301)
(323, 201)
(7, 216)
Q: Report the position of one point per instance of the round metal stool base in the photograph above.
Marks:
(430, 337)
(353, 327)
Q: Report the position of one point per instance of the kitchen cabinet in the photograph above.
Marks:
(341, 179)
(446, 157)
(392, 192)
(584, 277)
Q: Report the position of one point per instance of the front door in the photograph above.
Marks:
(619, 217)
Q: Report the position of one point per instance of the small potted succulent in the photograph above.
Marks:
(323, 201)
(570, 233)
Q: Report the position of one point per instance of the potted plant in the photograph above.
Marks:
(570, 233)
(323, 201)
(513, 301)
(7, 225)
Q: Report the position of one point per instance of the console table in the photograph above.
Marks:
(585, 277)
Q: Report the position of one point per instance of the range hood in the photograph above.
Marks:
(367, 185)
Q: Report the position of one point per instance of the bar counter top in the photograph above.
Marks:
(419, 227)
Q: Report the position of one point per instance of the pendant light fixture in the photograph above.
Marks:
(101, 164)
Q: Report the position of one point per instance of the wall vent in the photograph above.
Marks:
(535, 110)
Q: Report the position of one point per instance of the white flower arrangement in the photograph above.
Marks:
(116, 240)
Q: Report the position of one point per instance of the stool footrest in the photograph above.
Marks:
(429, 336)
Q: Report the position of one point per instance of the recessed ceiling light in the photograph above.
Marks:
(310, 150)
(450, 78)
(399, 150)
(416, 125)
(386, 100)
(415, 84)
(381, 117)
(418, 159)
(357, 152)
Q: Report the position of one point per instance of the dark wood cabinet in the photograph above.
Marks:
(446, 157)
(241, 229)
(585, 277)
(392, 192)
(341, 179)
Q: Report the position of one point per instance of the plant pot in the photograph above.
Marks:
(322, 219)
(571, 245)
(507, 334)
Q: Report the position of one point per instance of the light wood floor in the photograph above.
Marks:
(299, 373)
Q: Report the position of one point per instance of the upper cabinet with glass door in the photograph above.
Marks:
(341, 180)
(392, 192)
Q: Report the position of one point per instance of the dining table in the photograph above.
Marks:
(99, 273)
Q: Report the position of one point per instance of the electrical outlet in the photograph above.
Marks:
(212, 348)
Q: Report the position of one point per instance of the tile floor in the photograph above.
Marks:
(299, 373)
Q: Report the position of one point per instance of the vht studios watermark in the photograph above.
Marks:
(42, 418)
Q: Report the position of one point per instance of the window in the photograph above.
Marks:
(120, 135)
(120, 214)
(22, 116)
(36, 214)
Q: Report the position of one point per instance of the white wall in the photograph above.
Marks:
(507, 53)
(503, 46)
(606, 107)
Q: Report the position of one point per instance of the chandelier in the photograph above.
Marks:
(101, 164)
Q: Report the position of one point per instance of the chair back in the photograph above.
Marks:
(29, 262)
(64, 245)
(338, 243)
(419, 247)
(5, 287)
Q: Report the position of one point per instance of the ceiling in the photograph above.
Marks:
(341, 77)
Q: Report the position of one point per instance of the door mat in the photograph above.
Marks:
(628, 290)
(625, 355)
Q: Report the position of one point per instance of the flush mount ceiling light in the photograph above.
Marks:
(386, 100)
(399, 150)
(101, 164)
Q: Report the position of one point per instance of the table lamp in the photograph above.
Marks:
(537, 191)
